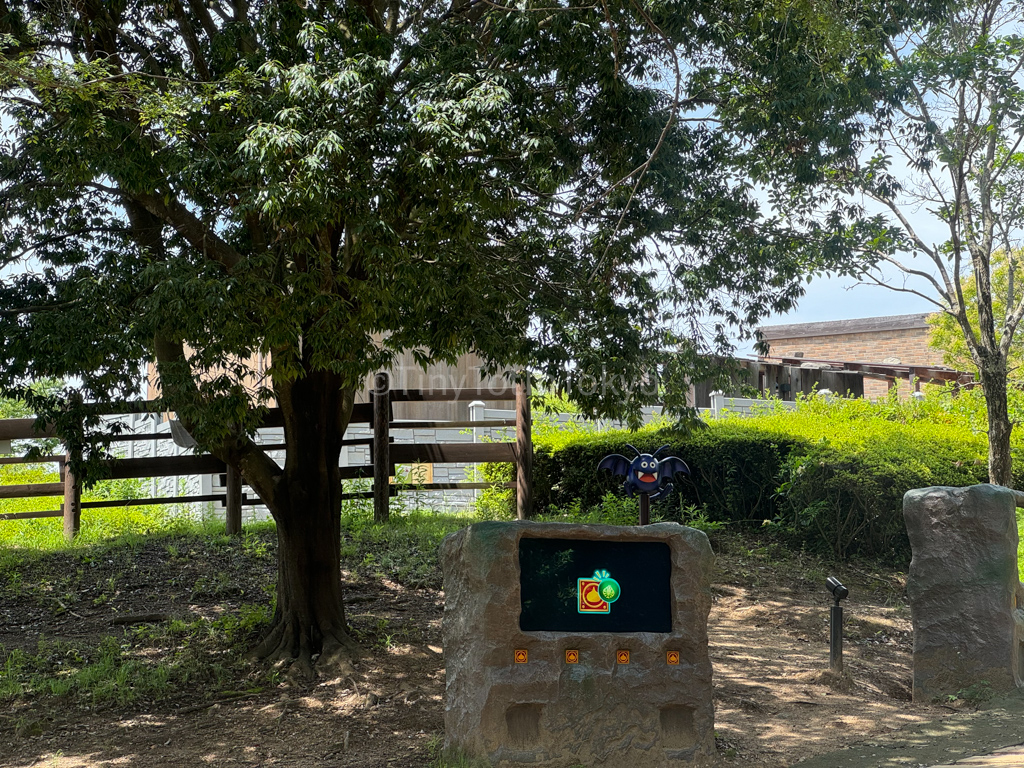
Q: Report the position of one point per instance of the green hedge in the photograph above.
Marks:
(830, 475)
(735, 469)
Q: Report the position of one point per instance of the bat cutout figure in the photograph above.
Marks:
(646, 473)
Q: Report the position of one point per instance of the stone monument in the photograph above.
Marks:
(964, 590)
(571, 644)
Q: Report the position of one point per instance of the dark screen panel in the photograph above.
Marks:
(549, 574)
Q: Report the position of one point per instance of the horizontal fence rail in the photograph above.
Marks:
(384, 455)
(32, 491)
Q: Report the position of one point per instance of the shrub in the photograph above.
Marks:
(734, 469)
(830, 475)
(846, 502)
(496, 503)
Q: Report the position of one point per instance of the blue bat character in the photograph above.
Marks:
(645, 473)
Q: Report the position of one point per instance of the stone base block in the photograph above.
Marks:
(572, 698)
(963, 586)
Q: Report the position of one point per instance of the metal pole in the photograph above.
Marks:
(381, 447)
(835, 657)
(645, 509)
(477, 412)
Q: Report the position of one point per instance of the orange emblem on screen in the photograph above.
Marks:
(672, 657)
(572, 657)
(590, 597)
(622, 657)
(520, 657)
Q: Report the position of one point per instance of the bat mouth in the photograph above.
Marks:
(648, 478)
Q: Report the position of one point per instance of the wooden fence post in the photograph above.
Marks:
(72, 506)
(233, 502)
(381, 447)
(524, 450)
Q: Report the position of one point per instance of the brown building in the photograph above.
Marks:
(894, 340)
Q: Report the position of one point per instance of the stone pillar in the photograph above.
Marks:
(572, 696)
(963, 586)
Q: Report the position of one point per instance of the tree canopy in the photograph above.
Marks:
(371, 178)
(574, 187)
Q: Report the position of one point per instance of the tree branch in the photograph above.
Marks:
(198, 235)
(36, 308)
(909, 271)
(873, 280)
(200, 9)
(904, 221)
(191, 41)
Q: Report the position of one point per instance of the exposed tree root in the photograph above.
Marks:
(291, 648)
(337, 657)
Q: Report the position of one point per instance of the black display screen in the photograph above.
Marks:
(579, 585)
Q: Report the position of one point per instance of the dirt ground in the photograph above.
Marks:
(768, 639)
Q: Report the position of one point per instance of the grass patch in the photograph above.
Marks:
(450, 758)
(99, 524)
(150, 663)
(203, 599)
(217, 592)
(404, 549)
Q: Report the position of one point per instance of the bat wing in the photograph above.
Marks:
(671, 466)
(664, 490)
(616, 464)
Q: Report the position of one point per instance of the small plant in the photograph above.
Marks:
(217, 586)
(376, 633)
(612, 510)
(255, 546)
(973, 695)
(498, 502)
(697, 517)
(242, 628)
(450, 758)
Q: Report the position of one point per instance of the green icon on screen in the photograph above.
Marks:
(608, 587)
(610, 590)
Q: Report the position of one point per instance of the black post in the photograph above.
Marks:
(645, 509)
(381, 447)
(835, 656)
(233, 502)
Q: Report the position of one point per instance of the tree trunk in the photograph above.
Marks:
(993, 384)
(310, 616)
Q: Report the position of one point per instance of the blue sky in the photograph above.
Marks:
(841, 299)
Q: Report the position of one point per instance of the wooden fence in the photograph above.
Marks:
(384, 456)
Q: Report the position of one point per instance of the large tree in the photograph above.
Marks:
(561, 185)
(948, 151)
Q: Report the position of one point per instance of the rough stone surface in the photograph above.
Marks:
(596, 713)
(963, 588)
